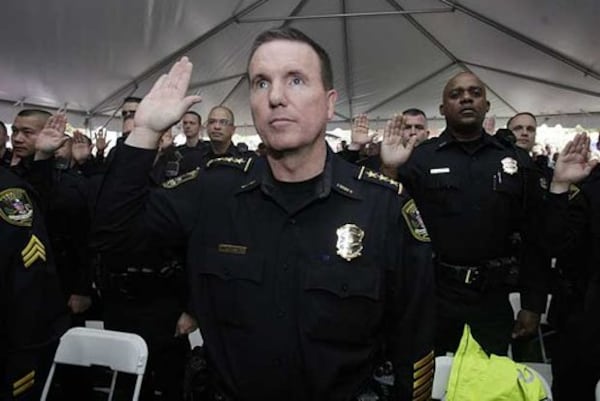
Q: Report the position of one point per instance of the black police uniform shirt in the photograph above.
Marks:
(473, 196)
(294, 299)
(32, 310)
(572, 220)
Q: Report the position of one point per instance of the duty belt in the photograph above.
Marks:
(494, 272)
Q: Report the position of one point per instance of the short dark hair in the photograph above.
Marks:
(524, 113)
(192, 112)
(414, 112)
(294, 35)
(42, 114)
(132, 99)
(227, 110)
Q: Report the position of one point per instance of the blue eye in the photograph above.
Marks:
(262, 84)
(296, 81)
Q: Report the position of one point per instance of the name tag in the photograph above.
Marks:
(443, 170)
(232, 249)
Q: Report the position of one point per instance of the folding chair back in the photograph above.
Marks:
(121, 352)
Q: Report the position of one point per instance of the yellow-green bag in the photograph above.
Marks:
(477, 377)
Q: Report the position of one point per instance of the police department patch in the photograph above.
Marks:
(15, 207)
(415, 221)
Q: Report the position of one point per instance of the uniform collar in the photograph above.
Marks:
(446, 139)
(337, 176)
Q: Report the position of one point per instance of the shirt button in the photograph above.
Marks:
(227, 272)
(292, 221)
(344, 288)
(280, 313)
(286, 267)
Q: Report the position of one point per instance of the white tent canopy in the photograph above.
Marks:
(540, 56)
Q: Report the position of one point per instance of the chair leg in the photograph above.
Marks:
(542, 345)
(138, 387)
(48, 382)
(113, 382)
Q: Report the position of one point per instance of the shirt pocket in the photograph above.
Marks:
(230, 281)
(443, 192)
(343, 302)
(508, 184)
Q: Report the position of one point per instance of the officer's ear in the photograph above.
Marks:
(442, 109)
(488, 106)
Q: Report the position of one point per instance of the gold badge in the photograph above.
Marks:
(509, 165)
(349, 242)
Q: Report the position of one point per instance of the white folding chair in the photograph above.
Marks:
(515, 302)
(443, 366)
(121, 352)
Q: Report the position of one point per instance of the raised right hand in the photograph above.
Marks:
(394, 152)
(573, 163)
(166, 102)
(360, 132)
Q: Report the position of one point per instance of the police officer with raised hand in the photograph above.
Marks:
(479, 195)
(305, 271)
(33, 314)
(573, 228)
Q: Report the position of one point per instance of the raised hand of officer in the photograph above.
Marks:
(394, 152)
(573, 164)
(185, 325)
(51, 137)
(79, 303)
(163, 106)
(80, 150)
(526, 324)
(360, 132)
(101, 142)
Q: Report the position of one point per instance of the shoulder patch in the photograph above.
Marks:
(368, 175)
(415, 222)
(573, 191)
(177, 181)
(16, 207)
(243, 163)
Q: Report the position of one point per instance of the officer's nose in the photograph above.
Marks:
(277, 95)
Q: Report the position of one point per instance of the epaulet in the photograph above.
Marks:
(573, 191)
(180, 179)
(243, 163)
(365, 174)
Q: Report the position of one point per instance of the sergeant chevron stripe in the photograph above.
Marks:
(33, 251)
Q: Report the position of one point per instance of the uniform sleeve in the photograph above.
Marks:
(411, 306)
(131, 214)
(535, 261)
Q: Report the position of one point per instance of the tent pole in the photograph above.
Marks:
(347, 65)
(535, 79)
(525, 39)
(410, 87)
(444, 50)
(179, 53)
(347, 15)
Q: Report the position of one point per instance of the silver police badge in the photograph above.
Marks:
(349, 242)
(509, 165)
